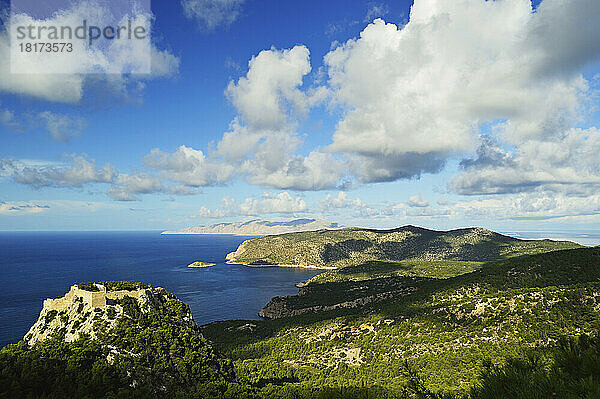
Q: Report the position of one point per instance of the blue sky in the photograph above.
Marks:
(440, 114)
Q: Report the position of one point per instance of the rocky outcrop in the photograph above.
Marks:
(81, 311)
(279, 307)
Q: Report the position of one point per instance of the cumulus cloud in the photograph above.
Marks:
(317, 171)
(343, 204)
(538, 205)
(189, 167)
(416, 201)
(341, 201)
(79, 172)
(211, 14)
(121, 60)
(387, 168)
(415, 96)
(282, 203)
(421, 92)
(566, 163)
(270, 87)
(128, 186)
(67, 88)
(262, 143)
(269, 100)
(410, 97)
(273, 203)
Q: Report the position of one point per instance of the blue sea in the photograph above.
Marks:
(39, 265)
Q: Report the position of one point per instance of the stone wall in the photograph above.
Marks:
(94, 299)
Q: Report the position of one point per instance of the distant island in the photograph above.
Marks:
(260, 227)
(200, 264)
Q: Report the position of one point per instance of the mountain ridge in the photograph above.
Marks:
(259, 227)
(353, 245)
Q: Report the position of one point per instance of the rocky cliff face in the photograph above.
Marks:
(313, 298)
(279, 307)
(93, 313)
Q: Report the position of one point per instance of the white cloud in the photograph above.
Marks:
(205, 212)
(282, 203)
(262, 142)
(566, 163)
(417, 95)
(128, 186)
(416, 201)
(238, 142)
(342, 204)
(189, 167)
(341, 201)
(264, 96)
(273, 203)
(539, 205)
(269, 100)
(276, 169)
(119, 60)
(79, 172)
(58, 87)
(211, 14)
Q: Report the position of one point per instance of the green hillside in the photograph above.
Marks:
(354, 246)
(447, 332)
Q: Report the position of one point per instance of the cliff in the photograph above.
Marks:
(353, 246)
(113, 339)
(81, 311)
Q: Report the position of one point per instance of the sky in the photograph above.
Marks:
(378, 114)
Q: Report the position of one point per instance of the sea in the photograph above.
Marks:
(39, 265)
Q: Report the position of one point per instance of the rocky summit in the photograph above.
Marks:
(114, 339)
